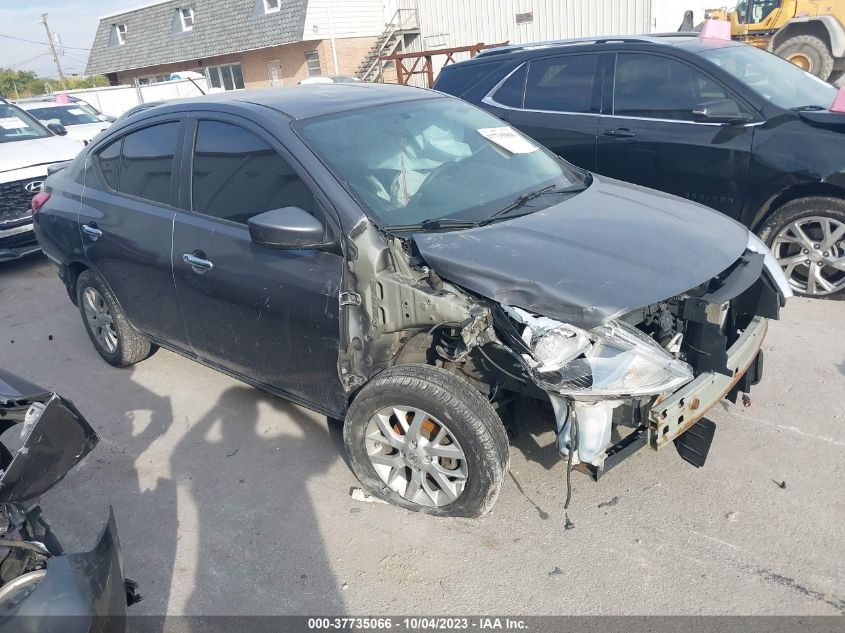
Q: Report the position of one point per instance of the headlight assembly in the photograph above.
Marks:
(610, 361)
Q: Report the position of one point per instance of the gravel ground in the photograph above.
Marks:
(230, 501)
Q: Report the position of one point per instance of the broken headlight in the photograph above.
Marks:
(612, 360)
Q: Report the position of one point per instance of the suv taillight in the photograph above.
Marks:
(39, 201)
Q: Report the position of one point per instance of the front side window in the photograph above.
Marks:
(237, 175)
(17, 125)
(773, 78)
(561, 84)
(146, 163)
(65, 114)
(312, 64)
(655, 87)
(431, 159)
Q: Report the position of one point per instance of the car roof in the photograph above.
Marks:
(306, 101)
(690, 41)
(37, 105)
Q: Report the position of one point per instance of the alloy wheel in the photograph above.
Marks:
(811, 252)
(100, 320)
(416, 455)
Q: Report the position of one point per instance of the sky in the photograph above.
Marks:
(73, 21)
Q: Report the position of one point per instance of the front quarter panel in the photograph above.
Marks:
(791, 155)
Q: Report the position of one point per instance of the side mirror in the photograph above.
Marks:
(290, 227)
(106, 118)
(57, 128)
(721, 111)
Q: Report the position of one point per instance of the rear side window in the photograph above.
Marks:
(561, 84)
(511, 92)
(458, 79)
(108, 160)
(146, 164)
(655, 87)
(237, 175)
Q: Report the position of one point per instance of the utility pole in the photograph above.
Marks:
(53, 50)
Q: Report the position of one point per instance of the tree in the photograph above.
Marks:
(26, 83)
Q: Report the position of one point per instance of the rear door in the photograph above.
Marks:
(649, 135)
(126, 220)
(270, 315)
(555, 100)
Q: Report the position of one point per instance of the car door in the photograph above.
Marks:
(650, 137)
(266, 314)
(556, 101)
(126, 221)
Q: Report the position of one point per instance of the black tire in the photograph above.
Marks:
(796, 210)
(811, 49)
(468, 416)
(131, 347)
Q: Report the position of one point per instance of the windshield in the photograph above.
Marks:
(771, 77)
(17, 125)
(64, 114)
(409, 162)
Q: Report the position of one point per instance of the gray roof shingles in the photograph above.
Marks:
(220, 27)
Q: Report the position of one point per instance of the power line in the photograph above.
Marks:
(20, 39)
(26, 61)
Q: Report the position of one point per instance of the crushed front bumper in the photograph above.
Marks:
(676, 414)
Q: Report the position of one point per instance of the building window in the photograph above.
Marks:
(312, 63)
(187, 17)
(271, 6)
(228, 77)
(120, 34)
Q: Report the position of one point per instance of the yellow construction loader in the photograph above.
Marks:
(808, 33)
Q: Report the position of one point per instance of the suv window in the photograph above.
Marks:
(512, 91)
(655, 87)
(561, 84)
(146, 163)
(237, 175)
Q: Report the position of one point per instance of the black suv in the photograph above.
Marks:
(718, 122)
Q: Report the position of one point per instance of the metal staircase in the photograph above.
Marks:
(404, 22)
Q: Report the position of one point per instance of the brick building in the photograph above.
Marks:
(237, 43)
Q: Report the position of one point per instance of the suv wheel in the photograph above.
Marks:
(423, 439)
(808, 53)
(113, 337)
(807, 236)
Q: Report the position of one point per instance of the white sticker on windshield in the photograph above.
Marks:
(508, 139)
(12, 123)
(76, 111)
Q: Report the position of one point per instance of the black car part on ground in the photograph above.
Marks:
(38, 580)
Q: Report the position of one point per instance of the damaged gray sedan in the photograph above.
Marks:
(404, 261)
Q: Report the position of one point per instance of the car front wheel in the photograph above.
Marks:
(807, 236)
(113, 337)
(423, 439)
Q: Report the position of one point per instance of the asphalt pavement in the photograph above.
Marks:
(231, 501)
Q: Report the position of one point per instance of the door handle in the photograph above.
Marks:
(92, 230)
(621, 132)
(197, 263)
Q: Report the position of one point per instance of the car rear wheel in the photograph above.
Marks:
(113, 337)
(808, 53)
(423, 439)
(807, 236)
